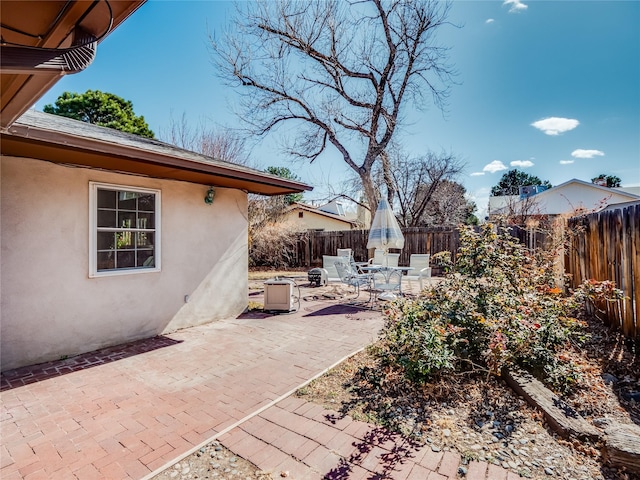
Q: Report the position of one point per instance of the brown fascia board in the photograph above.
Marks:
(65, 148)
(21, 91)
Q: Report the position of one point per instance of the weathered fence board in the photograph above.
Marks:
(416, 240)
(431, 240)
(606, 246)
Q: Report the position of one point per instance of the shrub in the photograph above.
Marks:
(496, 308)
(274, 245)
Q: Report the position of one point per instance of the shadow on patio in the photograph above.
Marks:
(18, 377)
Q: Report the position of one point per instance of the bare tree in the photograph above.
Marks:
(221, 144)
(416, 182)
(338, 72)
(513, 210)
(449, 206)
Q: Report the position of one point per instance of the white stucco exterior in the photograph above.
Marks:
(49, 307)
(576, 198)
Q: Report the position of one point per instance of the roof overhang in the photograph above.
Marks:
(108, 149)
(43, 27)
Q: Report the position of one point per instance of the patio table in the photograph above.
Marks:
(387, 272)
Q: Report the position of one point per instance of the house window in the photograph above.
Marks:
(300, 214)
(125, 230)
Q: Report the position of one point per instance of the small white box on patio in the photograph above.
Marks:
(278, 295)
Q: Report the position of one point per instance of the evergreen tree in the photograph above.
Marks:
(100, 108)
(511, 182)
(612, 180)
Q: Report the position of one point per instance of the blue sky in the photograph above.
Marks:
(550, 87)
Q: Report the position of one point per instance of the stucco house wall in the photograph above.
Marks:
(50, 307)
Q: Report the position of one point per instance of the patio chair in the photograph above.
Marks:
(379, 258)
(387, 282)
(355, 267)
(419, 263)
(350, 277)
(347, 253)
(328, 263)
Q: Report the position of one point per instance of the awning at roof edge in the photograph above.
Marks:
(65, 141)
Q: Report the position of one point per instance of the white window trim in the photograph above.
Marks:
(93, 230)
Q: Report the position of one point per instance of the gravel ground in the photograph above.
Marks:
(214, 462)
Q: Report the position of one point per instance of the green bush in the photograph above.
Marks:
(496, 308)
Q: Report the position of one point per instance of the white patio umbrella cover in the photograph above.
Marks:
(385, 232)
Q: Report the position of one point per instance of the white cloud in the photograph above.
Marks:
(494, 167)
(522, 163)
(566, 162)
(489, 20)
(580, 153)
(556, 125)
(476, 174)
(515, 6)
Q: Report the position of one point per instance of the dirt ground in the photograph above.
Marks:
(483, 419)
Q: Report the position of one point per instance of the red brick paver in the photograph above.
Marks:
(477, 470)
(131, 407)
(129, 411)
(377, 453)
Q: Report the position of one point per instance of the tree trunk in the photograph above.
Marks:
(369, 190)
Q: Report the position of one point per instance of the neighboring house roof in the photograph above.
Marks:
(633, 190)
(66, 141)
(307, 208)
(571, 196)
(338, 207)
(45, 24)
(619, 206)
(575, 181)
(334, 206)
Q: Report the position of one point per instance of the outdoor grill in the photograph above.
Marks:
(318, 276)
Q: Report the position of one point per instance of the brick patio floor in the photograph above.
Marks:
(311, 443)
(127, 412)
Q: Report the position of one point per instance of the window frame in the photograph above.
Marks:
(93, 230)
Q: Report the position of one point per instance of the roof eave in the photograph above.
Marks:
(64, 148)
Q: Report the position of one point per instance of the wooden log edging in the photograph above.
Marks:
(622, 447)
(563, 419)
(620, 442)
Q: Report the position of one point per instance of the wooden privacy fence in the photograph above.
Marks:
(313, 245)
(606, 246)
